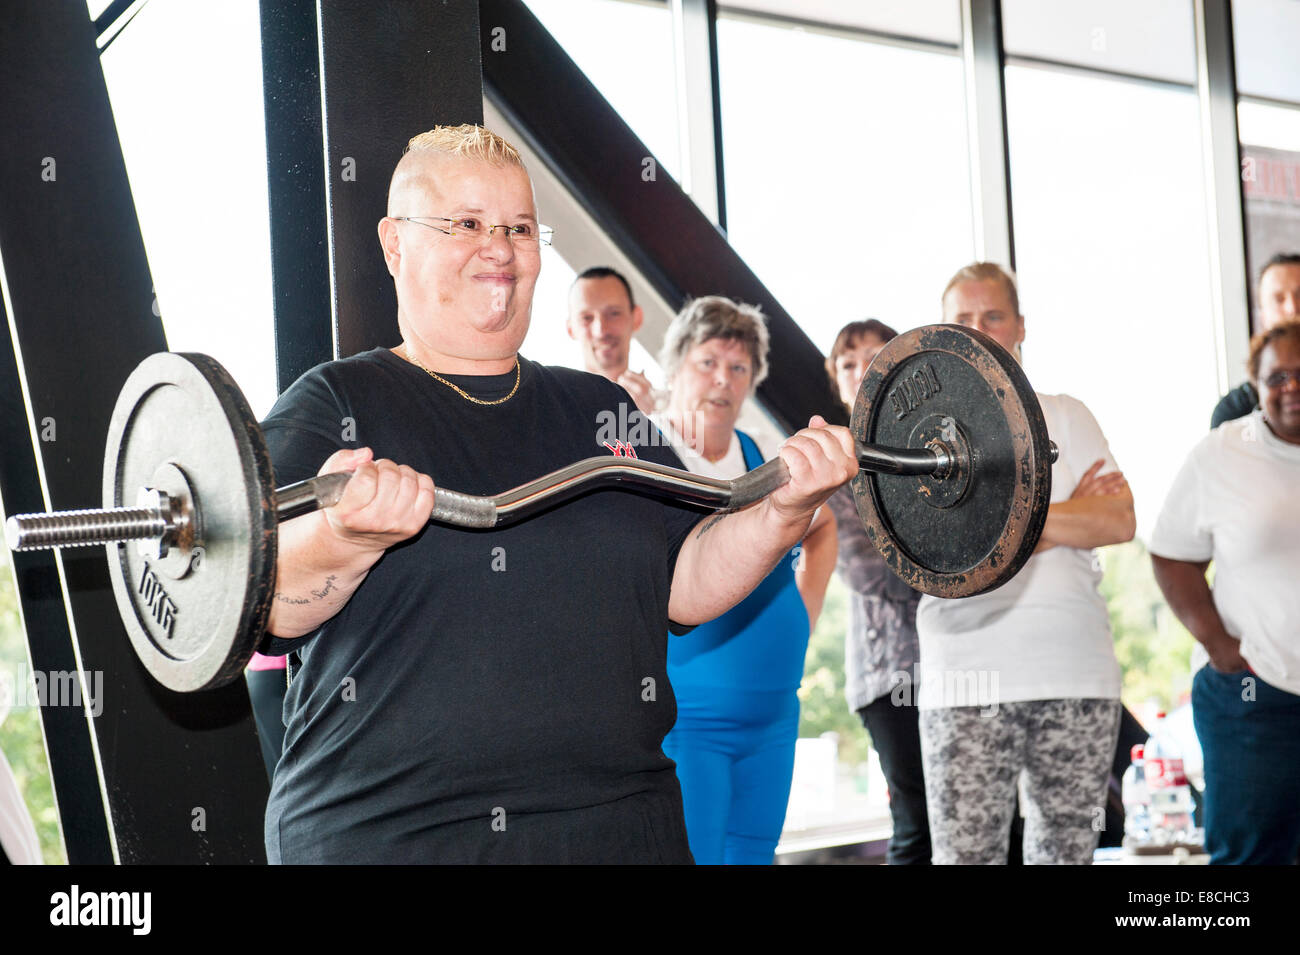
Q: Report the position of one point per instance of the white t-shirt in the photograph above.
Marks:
(731, 465)
(728, 467)
(1236, 501)
(1045, 634)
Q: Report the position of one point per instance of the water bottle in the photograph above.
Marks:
(1137, 801)
(1171, 797)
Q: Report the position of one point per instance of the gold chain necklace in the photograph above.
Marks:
(461, 391)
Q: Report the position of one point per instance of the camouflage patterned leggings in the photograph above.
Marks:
(973, 763)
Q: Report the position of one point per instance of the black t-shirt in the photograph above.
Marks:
(481, 686)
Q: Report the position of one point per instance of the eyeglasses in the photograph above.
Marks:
(1281, 377)
(469, 229)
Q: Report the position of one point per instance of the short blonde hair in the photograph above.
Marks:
(713, 316)
(985, 272)
(468, 142)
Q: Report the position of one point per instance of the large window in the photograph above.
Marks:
(848, 191)
(921, 19)
(185, 81)
(1109, 200)
(1265, 33)
(1151, 38)
(1110, 224)
(849, 195)
(626, 49)
(1269, 124)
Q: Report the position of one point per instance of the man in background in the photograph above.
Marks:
(1279, 300)
(603, 318)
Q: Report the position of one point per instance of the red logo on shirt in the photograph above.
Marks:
(621, 450)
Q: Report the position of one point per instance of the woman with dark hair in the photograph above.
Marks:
(880, 649)
(1235, 502)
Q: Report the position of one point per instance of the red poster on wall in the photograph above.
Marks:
(1270, 180)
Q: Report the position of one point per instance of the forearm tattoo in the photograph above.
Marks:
(712, 522)
(327, 589)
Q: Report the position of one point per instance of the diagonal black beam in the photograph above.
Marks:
(113, 19)
(594, 153)
(80, 298)
(110, 15)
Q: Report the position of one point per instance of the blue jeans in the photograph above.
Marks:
(1250, 736)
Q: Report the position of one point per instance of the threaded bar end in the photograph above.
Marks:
(83, 528)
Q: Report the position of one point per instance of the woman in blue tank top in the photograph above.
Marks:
(736, 677)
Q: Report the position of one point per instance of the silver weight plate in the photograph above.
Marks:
(194, 614)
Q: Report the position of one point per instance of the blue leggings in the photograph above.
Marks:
(735, 756)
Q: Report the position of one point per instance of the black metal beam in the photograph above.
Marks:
(715, 94)
(110, 15)
(389, 69)
(594, 153)
(80, 299)
(295, 164)
(114, 19)
(73, 769)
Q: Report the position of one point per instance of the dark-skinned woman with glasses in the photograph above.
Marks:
(1236, 502)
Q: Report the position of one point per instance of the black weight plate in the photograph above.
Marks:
(195, 627)
(973, 531)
